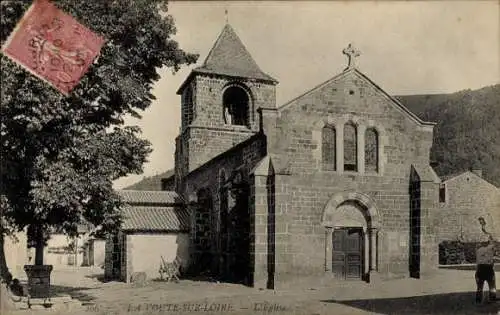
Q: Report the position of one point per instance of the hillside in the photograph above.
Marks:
(467, 134)
(151, 183)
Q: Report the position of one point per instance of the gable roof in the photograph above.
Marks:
(150, 197)
(454, 176)
(229, 56)
(355, 71)
(155, 219)
(447, 177)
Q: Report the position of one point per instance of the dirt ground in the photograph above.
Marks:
(446, 292)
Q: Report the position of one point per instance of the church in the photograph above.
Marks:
(336, 183)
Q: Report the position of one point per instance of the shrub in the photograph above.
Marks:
(455, 252)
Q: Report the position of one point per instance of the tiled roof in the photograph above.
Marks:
(138, 218)
(229, 56)
(150, 197)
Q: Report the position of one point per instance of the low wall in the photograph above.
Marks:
(145, 251)
(16, 254)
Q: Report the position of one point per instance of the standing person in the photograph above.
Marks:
(485, 259)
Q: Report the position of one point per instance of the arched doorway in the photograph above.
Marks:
(236, 105)
(351, 224)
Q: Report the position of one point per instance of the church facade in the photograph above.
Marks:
(336, 182)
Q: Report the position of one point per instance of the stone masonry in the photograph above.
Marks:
(467, 196)
(295, 202)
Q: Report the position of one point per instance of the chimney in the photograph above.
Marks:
(478, 172)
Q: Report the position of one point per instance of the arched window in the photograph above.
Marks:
(371, 150)
(328, 146)
(350, 147)
(187, 108)
(236, 106)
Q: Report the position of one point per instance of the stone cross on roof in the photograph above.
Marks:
(351, 54)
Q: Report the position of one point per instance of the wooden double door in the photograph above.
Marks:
(348, 249)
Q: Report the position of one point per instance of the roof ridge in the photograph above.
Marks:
(395, 100)
(452, 176)
(365, 77)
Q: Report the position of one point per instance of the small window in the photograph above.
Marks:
(442, 193)
(371, 150)
(328, 146)
(350, 148)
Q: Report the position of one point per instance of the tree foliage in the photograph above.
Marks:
(467, 132)
(60, 154)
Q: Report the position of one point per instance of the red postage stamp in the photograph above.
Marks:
(53, 46)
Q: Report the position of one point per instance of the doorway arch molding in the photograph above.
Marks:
(328, 219)
(332, 219)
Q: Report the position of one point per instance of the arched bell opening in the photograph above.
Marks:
(236, 106)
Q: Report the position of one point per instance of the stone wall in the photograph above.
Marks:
(402, 139)
(202, 144)
(113, 251)
(209, 92)
(99, 252)
(208, 136)
(301, 202)
(16, 254)
(126, 255)
(242, 158)
(468, 197)
(108, 257)
(302, 195)
(146, 251)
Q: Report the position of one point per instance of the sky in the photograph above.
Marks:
(406, 48)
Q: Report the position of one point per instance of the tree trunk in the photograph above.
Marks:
(39, 246)
(3, 262)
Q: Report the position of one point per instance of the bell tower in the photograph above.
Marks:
(219, 102)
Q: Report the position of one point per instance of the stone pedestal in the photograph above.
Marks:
(38, 280)
(374, 277)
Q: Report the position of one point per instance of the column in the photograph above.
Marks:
(259, 233)
(339, 131)
(328, 248)
(373, 249)
(367, 250)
